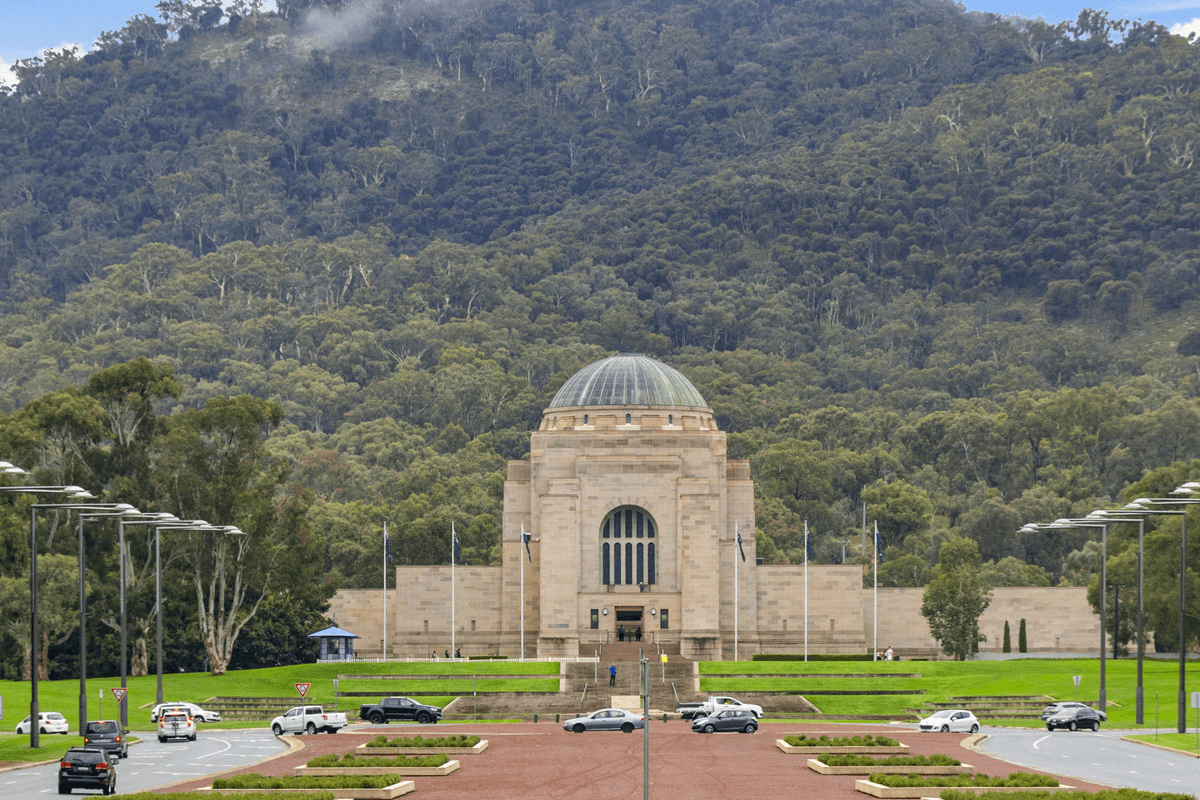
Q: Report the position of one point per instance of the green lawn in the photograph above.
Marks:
(939, 680)
(1176, 741)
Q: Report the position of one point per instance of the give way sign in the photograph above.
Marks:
(302, 688)
(118, 692)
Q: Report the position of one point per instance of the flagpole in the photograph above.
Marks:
(806, 590)
(522, 590)
(385, 566)
(875, 599)
(453, 539)
(738, 536)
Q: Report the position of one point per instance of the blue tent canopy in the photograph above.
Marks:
(336, 644)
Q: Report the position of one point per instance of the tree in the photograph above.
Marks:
(213, 466)
(1022, 639)
(956, 598)
(1007, 647)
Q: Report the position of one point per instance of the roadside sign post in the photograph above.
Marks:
(302, 688)
(1196, 705)
(1077, 679)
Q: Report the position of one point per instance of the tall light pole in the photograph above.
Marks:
(148, 519)
(74, 492)
(116, 510)
(1103, 526)
(183, 525)
(1131, 513)
(1147, 504)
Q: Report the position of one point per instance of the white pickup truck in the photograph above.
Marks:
(308, 719)
(713, 705)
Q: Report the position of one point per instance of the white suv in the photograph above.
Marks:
(194, 710)
(176, 723)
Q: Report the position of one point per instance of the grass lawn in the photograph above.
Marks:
(942, 679)
(1177, 741)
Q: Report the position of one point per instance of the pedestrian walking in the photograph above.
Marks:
(612, 674)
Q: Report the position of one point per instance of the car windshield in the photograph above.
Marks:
(85, 756)
(939, 714)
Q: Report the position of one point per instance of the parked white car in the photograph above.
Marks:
(196, 711)
(953, 720)
(51, 722)
(308, 719)
(176, 723)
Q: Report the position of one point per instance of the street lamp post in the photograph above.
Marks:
(183, 525)
(149, 519)
(1132, 513)
(117, 510)
(1103, 526)
(74, 492)
(1145, 504)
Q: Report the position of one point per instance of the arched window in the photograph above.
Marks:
(627, 542)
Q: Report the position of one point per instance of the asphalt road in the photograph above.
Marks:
(153, 764)
(1098, 757)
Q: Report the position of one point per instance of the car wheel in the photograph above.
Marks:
(627, 727)
(945, 729)
(375, 718)
(1050, 728)
(974, 729)
(64, 789)
(1096, 726)
(750, 728)
(423, 718)
(106, 789)
(42, 731)
(331, 730)
(275, 730)
(709, 728)
(579, 727)
(193, 737)
(1073, 726)
(311, 729)
(161, 739)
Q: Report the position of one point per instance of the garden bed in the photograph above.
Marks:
(851, 764)
(350, 764)
(385, 793)
(888, 792)
(420, 745)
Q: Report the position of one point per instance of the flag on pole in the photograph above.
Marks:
(809, 555)
(878, 548)
(740, 550)
(457, 546)
(387, 545)
(525, 539)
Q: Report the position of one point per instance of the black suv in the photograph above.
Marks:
(106, 734)
(89, 767)
(1074, 718)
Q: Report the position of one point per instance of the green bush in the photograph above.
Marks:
(812, 657)
(319, 795)
(455, 740)
(857, 760)
(256, 781)
(1014, 779)
(492, 657)
(1007, 645)
(351, 760)
(1022, 643)
(1041, 794)
(866, 740)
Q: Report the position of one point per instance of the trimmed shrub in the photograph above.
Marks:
(455, 740)
(857, 760)
(1022, 643)
(1042, 794)
(1014, 779)
(812, 657)
(866, 740)
(351, 760)
(1007, 647)
(256, 781)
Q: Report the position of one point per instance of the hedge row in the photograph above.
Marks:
(865, 740)
(812, 657)
(256, 781)
(351, 760)
(1014, 779)
(1041, 794)
(858, 760)
(455, 740)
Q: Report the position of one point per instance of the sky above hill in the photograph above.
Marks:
(28, 27)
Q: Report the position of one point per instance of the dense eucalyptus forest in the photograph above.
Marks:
(932, 268)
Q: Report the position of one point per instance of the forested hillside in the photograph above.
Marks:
(935, 262)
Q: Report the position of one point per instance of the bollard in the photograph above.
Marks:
(535, 717)
(557, 717)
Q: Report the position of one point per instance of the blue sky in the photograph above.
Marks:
(28, 27)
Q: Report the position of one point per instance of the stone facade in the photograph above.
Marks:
(634, 515)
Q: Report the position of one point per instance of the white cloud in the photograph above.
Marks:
(1192, 27)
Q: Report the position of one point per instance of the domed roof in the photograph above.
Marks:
(628, 380)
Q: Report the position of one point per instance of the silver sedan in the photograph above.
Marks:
(606, 719)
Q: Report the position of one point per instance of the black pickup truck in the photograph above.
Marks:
(392, 709)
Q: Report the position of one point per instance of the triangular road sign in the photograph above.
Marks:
(302, 688)
(119, 692)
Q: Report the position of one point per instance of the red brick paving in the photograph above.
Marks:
(542, 760)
